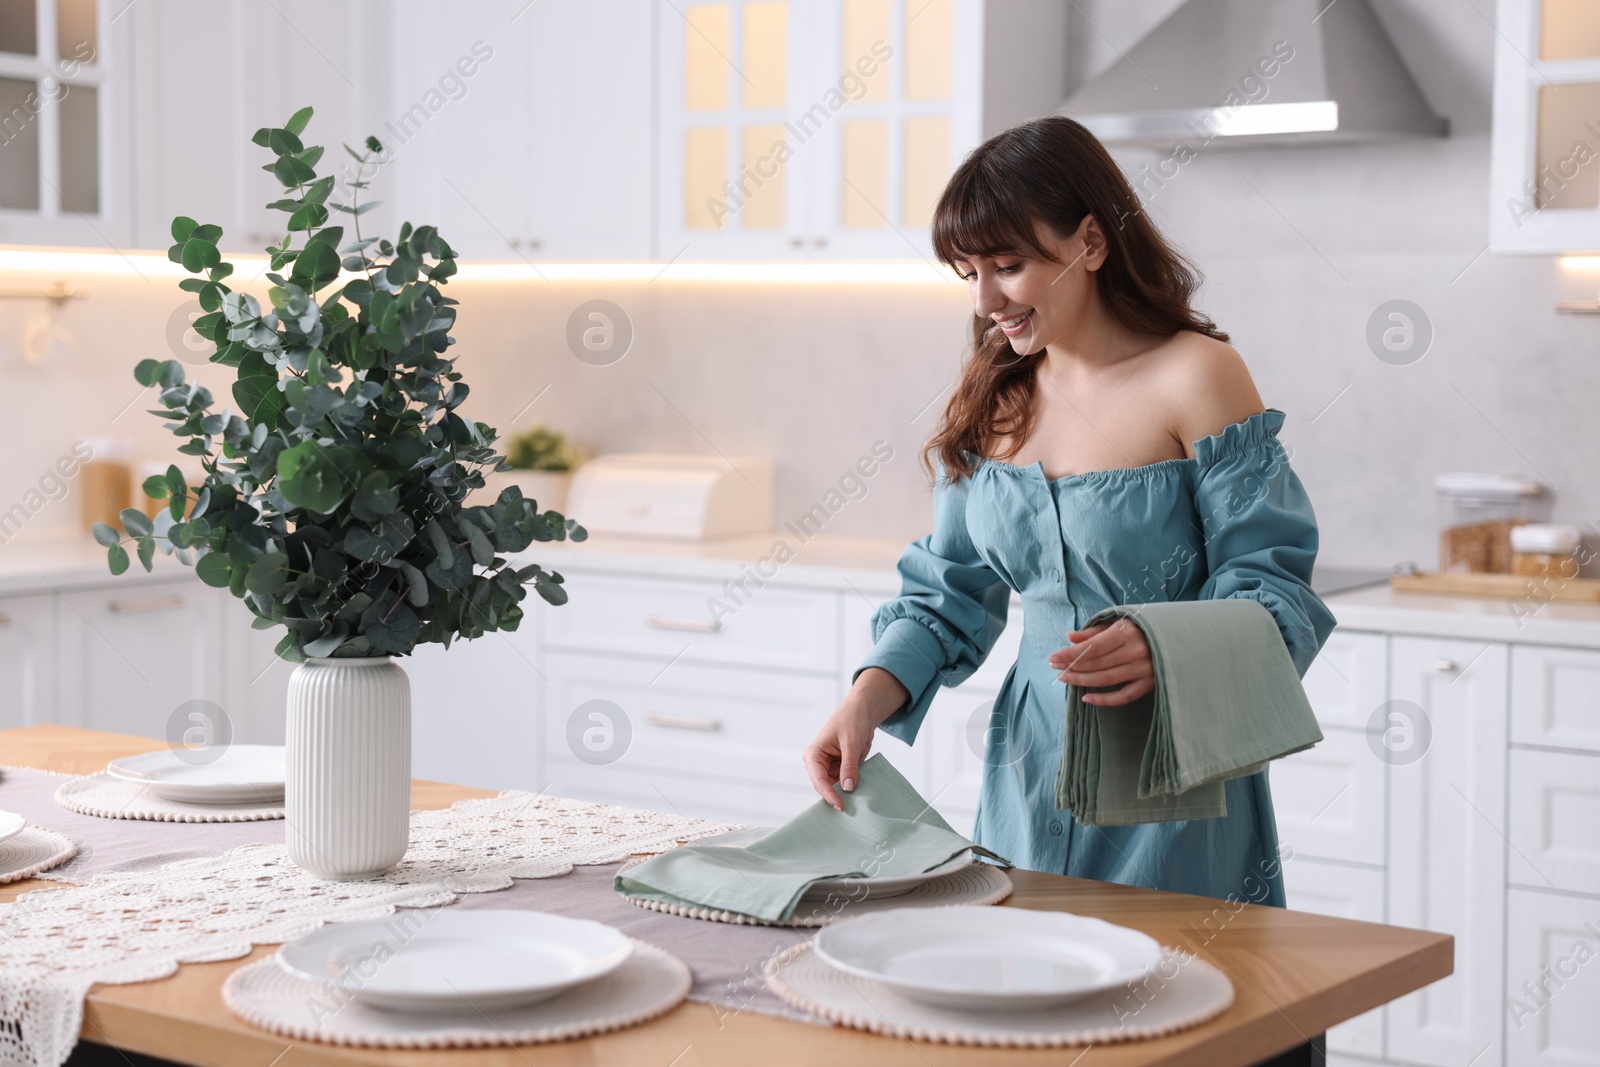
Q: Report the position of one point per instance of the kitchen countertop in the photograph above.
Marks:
(45, 565)
(866, 564)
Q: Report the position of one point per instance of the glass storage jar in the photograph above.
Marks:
(1545, 550)
(1476, 514)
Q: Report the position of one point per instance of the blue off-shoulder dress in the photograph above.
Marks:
(1231, 521)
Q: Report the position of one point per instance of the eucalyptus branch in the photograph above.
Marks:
(363, 487)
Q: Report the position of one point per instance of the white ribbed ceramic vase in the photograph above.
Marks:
(347, 797)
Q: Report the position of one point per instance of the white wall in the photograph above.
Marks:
(814, 374)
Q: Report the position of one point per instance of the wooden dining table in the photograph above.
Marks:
(1294, 975)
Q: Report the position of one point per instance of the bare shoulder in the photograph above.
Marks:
(1207, 385)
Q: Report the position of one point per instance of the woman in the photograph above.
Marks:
(1104, 446)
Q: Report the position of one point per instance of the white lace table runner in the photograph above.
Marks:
(135, 926)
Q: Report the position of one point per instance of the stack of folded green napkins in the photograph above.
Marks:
(886, 829)
(1227, 699)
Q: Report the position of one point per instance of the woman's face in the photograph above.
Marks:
(1035, 301)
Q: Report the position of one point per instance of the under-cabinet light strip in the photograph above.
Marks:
(154, 265)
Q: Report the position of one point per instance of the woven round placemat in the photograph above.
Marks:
(1182, 991)
(650, 983)
(979, 883)
(35, 849)
(105, 796)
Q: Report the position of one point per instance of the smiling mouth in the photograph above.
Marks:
(1016, 324)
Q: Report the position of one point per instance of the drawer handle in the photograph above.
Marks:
(155, 603)
(684, 722)
(668, 622)
(1445, 665)
(5, 622)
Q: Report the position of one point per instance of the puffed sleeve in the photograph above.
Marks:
(950, 611)
(1260, 532)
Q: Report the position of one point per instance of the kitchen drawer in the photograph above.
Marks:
(134, 656)
(27, 660)
(1330, 799)
(776, 626)
(1349, 678)
(1555, 821)
(711, 723)
(858, 640)
(1555, 697)
(1344, 893)
(1552, 980)
(682, 794)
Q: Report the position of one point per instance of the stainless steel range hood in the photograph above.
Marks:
(1246, 73)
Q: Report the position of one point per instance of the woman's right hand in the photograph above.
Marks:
(844, 741)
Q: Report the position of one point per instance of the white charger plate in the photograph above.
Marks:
(878, 886)
(11, 824)
(986, 958)
(241, 774)
(429, 959)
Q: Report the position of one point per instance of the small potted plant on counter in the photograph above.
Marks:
(539, 462)
(332, 501)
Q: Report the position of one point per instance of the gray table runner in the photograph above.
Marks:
(726, 959)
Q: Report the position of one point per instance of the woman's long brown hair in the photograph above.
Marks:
(1051, 170)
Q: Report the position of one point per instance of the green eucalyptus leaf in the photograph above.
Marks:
(318, 477)
(147, 372)
(136, 522)
(297, 122)
(105, 534)
(117, 558)
(268, 574)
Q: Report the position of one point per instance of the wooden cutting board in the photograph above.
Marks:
(1511, 586)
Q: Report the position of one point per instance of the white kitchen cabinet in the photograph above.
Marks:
(523, 131)
(1349, 678)
(65, 95)
(1555, 697)
(1552, 980)
(1447, 868)
(635, 615)
(704, 740)
(829, 128)
(474, 710)
(1347, 893)
(256, 681)
(1555, 821)
(1331, 800)
(952, 737)
(1543, 196)
(132, 655)
(27, 660)
(208, 75)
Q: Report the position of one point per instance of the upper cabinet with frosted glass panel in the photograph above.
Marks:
(62, 163)
(1545, 176)
(828, 128)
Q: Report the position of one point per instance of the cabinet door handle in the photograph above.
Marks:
(683, 722)
(155, 603)
(1445, 664)
(668, 622)
(5, 622)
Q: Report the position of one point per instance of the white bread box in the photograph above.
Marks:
(685, 497)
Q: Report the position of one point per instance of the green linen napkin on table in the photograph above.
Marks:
(1227, 700)
(886, 828)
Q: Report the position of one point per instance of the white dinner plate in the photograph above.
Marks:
(241, 774)
(11, 824)
(431, 959)
(988, 958)
(878, 886)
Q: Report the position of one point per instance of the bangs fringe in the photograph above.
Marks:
(976, 218)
